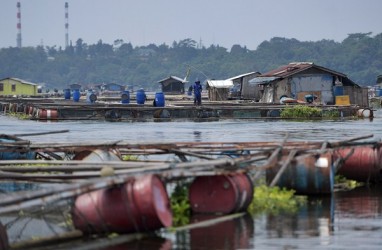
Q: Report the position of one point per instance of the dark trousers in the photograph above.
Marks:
(198, 99)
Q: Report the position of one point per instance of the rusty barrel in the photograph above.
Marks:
(141, 204)
(29, 110)
(220, 193)
(306, 174)
(47, 114)
(13, 107)
(364, 164)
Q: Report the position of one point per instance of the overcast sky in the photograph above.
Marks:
(218, 22)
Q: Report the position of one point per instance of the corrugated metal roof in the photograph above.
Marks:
(243, 75)
(296, 67)
(262, 80)
(173, 77)
(220, 83)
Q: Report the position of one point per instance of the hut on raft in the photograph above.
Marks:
(236, 87)
(300, 80)
(173, 85)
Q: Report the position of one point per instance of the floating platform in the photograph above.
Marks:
(112, 110)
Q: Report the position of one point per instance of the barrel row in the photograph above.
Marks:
(91, 97)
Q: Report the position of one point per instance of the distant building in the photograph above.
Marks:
(379, 79)
(173, 85)
(109, 89)
(236, 87)
(219, 90)
(299, 79)
(242, 89)
(112, 87)
(15, 86)
(75, 86)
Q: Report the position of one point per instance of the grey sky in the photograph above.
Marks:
(223, 22)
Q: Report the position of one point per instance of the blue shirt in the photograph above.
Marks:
(197, 88)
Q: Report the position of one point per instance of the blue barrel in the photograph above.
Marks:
(76, 95)
(141, 96)
(91, 97)
(125, 97)
(306, 174)
(338, 90)
(159, 99)
(378, 92)
(8, 154)
(67, 94)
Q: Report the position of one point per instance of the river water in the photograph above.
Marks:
(344, 220)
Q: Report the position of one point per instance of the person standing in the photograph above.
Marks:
(197, 93)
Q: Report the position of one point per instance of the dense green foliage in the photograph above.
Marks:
(274, 200)
(180, 204)
(359, 56)
(300, 111)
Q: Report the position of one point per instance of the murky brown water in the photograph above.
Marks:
(345, 220)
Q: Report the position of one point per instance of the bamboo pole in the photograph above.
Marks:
(206, 223)
(283, 167)
(42, 133)
(43, 241)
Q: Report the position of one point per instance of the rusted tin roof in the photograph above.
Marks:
(297, 67)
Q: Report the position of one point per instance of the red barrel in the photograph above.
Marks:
(13, 107)
(29, 110)
(47, 114)
(363, 165)
(141, 204)
(220, 193)
(5, 107)
(245, 188)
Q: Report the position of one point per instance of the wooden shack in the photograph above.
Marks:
(173, 85)
(242, 89)
(299, 79)
(218, 90)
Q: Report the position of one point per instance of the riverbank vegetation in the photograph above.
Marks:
(357, 56)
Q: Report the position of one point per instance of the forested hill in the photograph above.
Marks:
(359, 56)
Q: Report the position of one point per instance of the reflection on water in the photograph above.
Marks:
(364, 202)
(313, 219)
(345, 220)
(232, 234)
(150, 243)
